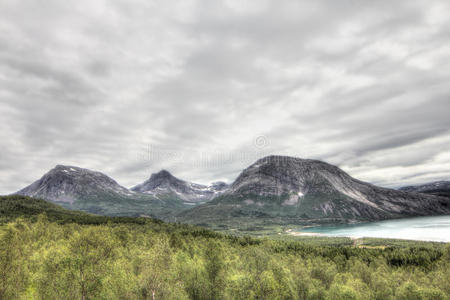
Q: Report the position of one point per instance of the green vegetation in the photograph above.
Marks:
(15, 206)
(255, 211)
(69, 255)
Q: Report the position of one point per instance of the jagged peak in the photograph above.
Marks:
(163, 177)
(162, 174)
(164, 182)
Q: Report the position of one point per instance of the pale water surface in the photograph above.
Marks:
(419, 228)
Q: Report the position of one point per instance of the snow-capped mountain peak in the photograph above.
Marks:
(164, 183)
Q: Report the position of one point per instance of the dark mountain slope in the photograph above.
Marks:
(438, 188)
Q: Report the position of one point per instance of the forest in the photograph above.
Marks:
(65, 255)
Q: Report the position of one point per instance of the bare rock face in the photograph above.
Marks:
(280, 175)
(163, 184)
(282, 186)
(68, 183)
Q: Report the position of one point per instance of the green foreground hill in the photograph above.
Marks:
(47, 252)
(12, 207)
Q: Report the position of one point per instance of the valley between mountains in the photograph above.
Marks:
(275, 190)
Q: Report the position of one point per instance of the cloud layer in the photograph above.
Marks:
(204, 88)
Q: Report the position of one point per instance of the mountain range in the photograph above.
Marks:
(165, 184)
(161, 196)
(273, 190)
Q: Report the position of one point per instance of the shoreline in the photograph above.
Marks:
(297, 233)
(355, 238)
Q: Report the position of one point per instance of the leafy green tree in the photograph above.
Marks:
(157, 277)
(240, 286)
(381, 286)
(323, 271)
(54, 280)
(342, 292)
(409, 291)
(194, 276)
(214, 264)
(78, 268)
(90, 252)
(13, 264)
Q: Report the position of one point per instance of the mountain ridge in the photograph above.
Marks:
(161, 196)
(164, 183)
(94, 192)
(298, 189)
(280, 189)
(437, 188)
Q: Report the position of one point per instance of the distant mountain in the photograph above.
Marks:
(281, 189)
(164, 184)
(438, 188)
(94, 192)
(67, 184)
(274, 190)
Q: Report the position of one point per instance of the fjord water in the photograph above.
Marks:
(436, 228)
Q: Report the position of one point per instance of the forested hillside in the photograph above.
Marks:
(72, 258)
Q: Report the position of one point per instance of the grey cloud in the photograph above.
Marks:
(355, 83)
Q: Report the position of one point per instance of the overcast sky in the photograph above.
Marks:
(204, 88)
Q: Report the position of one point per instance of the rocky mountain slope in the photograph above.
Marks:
(165, 184)
(438, 188)
(281, 189)
(95, 192)
(67, 184)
